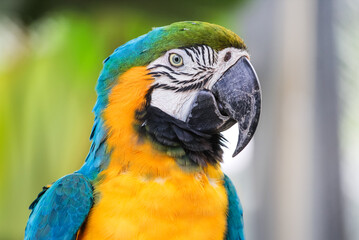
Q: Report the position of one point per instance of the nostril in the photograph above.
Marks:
(227, 56)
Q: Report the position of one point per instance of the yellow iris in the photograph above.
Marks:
(175, 60)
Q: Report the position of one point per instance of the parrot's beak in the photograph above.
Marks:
(235, 97)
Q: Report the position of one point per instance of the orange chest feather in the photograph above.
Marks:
(143, 193)
(181, 207)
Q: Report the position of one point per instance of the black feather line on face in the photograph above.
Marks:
(170, 133)
(170, 69)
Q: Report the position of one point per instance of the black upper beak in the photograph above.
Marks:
(235, 97)
(238, 92)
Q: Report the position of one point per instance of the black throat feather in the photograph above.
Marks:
(190, 148)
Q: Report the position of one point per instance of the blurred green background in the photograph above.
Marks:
(298, 180)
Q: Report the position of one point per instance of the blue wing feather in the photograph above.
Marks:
(59, 211)
(234, 213)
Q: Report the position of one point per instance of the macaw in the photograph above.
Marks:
(153, 169)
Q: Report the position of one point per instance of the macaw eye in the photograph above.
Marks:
(175, 60)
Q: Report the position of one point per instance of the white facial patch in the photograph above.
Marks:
(176, 104)
(175, 87)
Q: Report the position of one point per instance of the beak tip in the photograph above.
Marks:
(238, 149)
(240, 146)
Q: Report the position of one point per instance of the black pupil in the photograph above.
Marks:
(176, 59)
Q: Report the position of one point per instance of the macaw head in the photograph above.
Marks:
(179, 86)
